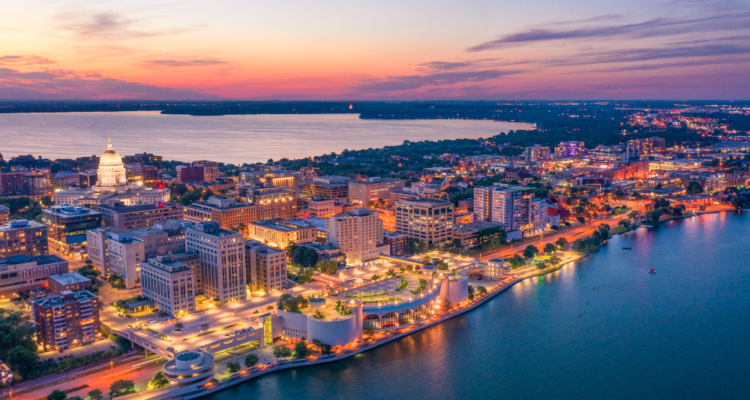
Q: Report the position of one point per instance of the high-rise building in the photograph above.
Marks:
(275, 203)
(210, 170)
(169, 283)
(328, 186)
(570, 149)
(358, 233)
(428, 220)
(321, 207)
(265, 267)
(23, 238)
(11, 183)
(536, 153)
(399, 242)
(513, 207)
(222, 253)
(124, 255)
(67, 226)
(37, 184)
(224, 210)
(373, 189)
(24, 273)
(190, 173)
(138, 216)
(66, 321)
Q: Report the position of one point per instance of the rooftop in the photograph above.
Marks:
(69, 278)
(120, 208)
(65, 298)
(20, 224)
(40, 260)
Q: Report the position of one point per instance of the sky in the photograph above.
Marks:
(375, 50)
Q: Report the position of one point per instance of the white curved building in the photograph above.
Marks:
(190, 368)
(455, 288)
(111, 185)
(334, 330)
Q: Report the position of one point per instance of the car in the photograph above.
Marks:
(266, 361)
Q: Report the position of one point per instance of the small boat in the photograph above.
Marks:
(652, 271)
(627, 248)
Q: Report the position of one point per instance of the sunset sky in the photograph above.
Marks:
(375, 50)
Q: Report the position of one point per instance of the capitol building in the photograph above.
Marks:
(111, 185)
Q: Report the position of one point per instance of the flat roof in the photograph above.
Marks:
(134, 208)
(69, 278)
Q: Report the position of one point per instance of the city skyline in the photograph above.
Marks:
(293, 50)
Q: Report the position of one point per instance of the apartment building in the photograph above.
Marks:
(265, 267)
(169, 282)
(321, 207)
(210, 170)
(398, 242)
(222, 253)
(138, 216)
(274, 203)
(4, 215)
(24, 273)
(327, 186)
(66, 321)
(70, 281)
(513, 207)
(373, 189)
(23, 238)
(428, 220)
(358, 233)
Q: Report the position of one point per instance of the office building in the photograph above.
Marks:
(222, 253)
(190, 173)
(265, 267)
(66, 321)
(169, 283)
(25, 273)
(138, 216)
(124, 255)
(210, 170)
(321, 207)
(144, 158)
(373, 189)
(37, 185)
(513, 207)
(70, 281)
(327, 186)
(275, 203)
(428, 220)
(145, 175)
(67, 226)
(23, 238)
(224, 210)
(279, 234)
(11, 183)
(358, 233)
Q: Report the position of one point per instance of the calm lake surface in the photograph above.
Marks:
(602, 329)
(229, 139)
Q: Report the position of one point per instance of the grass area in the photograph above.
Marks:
(360, 295)
(209, 332)
(381, 300)
(618, 230)
(401, 286)
(422, 285)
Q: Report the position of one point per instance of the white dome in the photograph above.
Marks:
(111, 172)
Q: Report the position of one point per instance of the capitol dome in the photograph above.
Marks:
(111, 172)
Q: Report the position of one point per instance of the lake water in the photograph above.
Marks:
(602, 329)
(229, 139)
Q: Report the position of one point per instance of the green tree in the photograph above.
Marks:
(57, 395)
(23, 360)
(549, 248)
(445, 304)
(233, 367)
(178, 326)
(159, 380)
(282, 352)
(121, 387)
(327, 266)
(375, 277)
(530, 251)
(369, 330)
(300, 350)
(287, 302)
(471, 292)
(561, 242)
(96, 394)
(251, 359)
(481, 290)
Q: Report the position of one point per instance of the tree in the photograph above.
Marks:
(287, 302)
(159, 380)
(233, 367)
(121, 387)
(481, 290)
(124, 343)
(282, 352)
(89, 271)
(57, 395)
(445, 304)
(530, 251)
(251, 359)
(178, 326)
(369, 330)
(23, 360)
(549, 248)
(300, 350)
(561, 242)
(375, 277)
(327, 266)
(581, 219)
(96, 394)
(471, 293)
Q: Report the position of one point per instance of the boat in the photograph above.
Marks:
(652, 271)
(627, 248)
